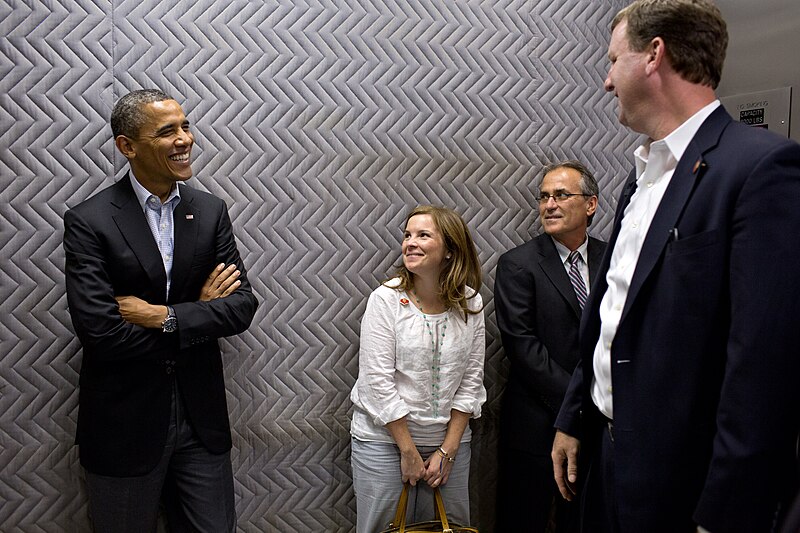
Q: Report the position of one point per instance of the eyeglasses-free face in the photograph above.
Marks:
(424, 249)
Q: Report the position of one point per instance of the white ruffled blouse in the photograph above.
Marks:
(416, 365)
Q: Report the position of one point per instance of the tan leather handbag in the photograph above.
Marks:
(439, 525)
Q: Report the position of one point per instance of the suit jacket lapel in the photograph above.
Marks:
(688, 173)
(590, 322)
(595, 253)
(554, 269)
(185, 227)
(605, 261)
(624, 200)
(132, 223)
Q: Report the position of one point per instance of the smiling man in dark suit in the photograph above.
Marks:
(153, 280)
(538, 310)
(685, 402)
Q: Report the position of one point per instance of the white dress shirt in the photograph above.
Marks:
(655, 165)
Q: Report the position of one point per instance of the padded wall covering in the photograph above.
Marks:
(320, 122)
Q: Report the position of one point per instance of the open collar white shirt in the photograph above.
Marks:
(655, 164)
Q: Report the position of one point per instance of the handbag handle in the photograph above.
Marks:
(402, 505)
(400, 513)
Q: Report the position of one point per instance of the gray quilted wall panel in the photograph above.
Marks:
(320, 123)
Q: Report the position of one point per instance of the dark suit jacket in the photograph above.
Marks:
(127, 371)
(705, 361)
(538, 316)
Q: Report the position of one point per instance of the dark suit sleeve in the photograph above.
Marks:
(570, 415)
(757, 422)
(202, 321)
(90, 295)
(515, 309)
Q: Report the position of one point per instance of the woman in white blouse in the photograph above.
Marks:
(420, 375)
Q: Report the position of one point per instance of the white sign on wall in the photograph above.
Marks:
(765, 109)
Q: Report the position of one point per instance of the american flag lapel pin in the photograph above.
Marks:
(189, 217)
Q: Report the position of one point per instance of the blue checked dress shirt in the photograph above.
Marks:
(160, 220)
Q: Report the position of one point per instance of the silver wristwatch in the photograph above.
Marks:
(170, 324)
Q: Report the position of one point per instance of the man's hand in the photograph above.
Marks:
(137, 311)
(565, 450)
(220, 283)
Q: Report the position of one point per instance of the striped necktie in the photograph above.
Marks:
(576, 278)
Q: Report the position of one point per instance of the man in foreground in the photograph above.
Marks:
(683, 410)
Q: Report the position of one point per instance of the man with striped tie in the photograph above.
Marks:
(540, 290)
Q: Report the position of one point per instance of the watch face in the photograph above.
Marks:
(169, 325)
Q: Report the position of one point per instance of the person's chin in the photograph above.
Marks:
(551, 227)
(180, 171)
(416, 268)
(182, 176)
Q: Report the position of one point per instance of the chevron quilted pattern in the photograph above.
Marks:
(321, 123)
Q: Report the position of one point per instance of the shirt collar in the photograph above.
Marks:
(563, 251)
(143, 194)
(677, 141)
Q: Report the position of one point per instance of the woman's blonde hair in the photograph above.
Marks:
(460, 271)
